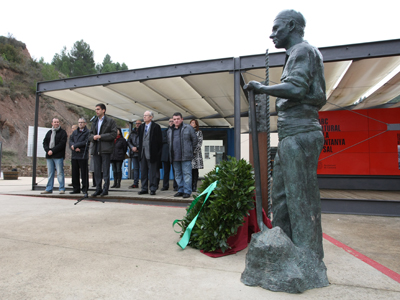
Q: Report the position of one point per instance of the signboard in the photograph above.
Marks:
(42, 131)
(358, 142)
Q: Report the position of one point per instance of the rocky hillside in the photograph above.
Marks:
(18, 77)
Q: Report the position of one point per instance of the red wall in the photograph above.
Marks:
(356, 142)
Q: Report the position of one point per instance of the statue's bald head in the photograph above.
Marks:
(297, 17)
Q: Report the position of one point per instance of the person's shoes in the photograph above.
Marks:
(96, 193)
(114, 185)
(152, 193)
(186, 196)
(175, 189)
(74, 193)
(143, 192)
(104, 193)
(85, 195)
(62, 192)
(164, 189)
(46, 192)
(178, 194)
(133, 186)
(70, 184)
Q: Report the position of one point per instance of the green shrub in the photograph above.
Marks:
(10, 53)
(224, 210)
(49, 72)
(1, 81)
(32, 89)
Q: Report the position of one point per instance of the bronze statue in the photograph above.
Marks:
(295, 192)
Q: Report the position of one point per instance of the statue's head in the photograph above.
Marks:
(288, 25)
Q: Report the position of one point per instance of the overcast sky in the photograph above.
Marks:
(160, 32)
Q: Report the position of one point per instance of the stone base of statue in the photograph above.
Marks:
(274, 263)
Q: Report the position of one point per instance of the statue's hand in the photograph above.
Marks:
(253, 85)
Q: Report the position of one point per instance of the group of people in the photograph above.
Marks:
(150, 149)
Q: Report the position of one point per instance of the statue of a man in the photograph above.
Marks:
(300, 95)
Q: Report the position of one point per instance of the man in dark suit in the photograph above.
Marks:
(102, 134)
(79, 144)
(150, 147)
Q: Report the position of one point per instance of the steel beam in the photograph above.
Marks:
(237, 88)
(35, 142)
(361, 207)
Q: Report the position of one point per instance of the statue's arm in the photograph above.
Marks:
(286, 90)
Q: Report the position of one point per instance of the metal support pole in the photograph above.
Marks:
(35, 142)
(129, 151)
(1, 153)
(237, 88)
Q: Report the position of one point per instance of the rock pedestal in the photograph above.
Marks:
(273, 262)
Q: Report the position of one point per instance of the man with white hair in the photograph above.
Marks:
(79, 144)
(150, 147)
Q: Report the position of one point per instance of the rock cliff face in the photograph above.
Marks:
(17, 115)
(17, 108)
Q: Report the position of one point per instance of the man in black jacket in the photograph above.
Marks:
(79, 144)
(133, 143)
(166, 160)
(102, 134)
(54, 144)
(150, 147)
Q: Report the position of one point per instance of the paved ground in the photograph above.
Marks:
(53, 249)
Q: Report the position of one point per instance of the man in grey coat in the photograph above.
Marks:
(182, 141)
(102, 134)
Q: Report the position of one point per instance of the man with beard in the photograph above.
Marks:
(54, 145)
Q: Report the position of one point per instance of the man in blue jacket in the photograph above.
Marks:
(182, 141)
(79, 144)
(54, 145)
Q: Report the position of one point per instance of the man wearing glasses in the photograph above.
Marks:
(78, 142)
(133, 143)
(150, 147)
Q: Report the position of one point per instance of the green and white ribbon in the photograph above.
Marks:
(186, 236)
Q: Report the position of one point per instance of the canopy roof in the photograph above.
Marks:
(205, 90)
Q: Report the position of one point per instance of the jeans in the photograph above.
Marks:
(116, 166)
(183, 176)
(136, 166)
(52, 165)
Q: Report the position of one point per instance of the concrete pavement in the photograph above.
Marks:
(53, 249)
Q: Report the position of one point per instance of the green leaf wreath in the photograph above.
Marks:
(224, 210)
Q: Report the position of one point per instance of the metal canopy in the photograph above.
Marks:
(205, 90)
(212, 91)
